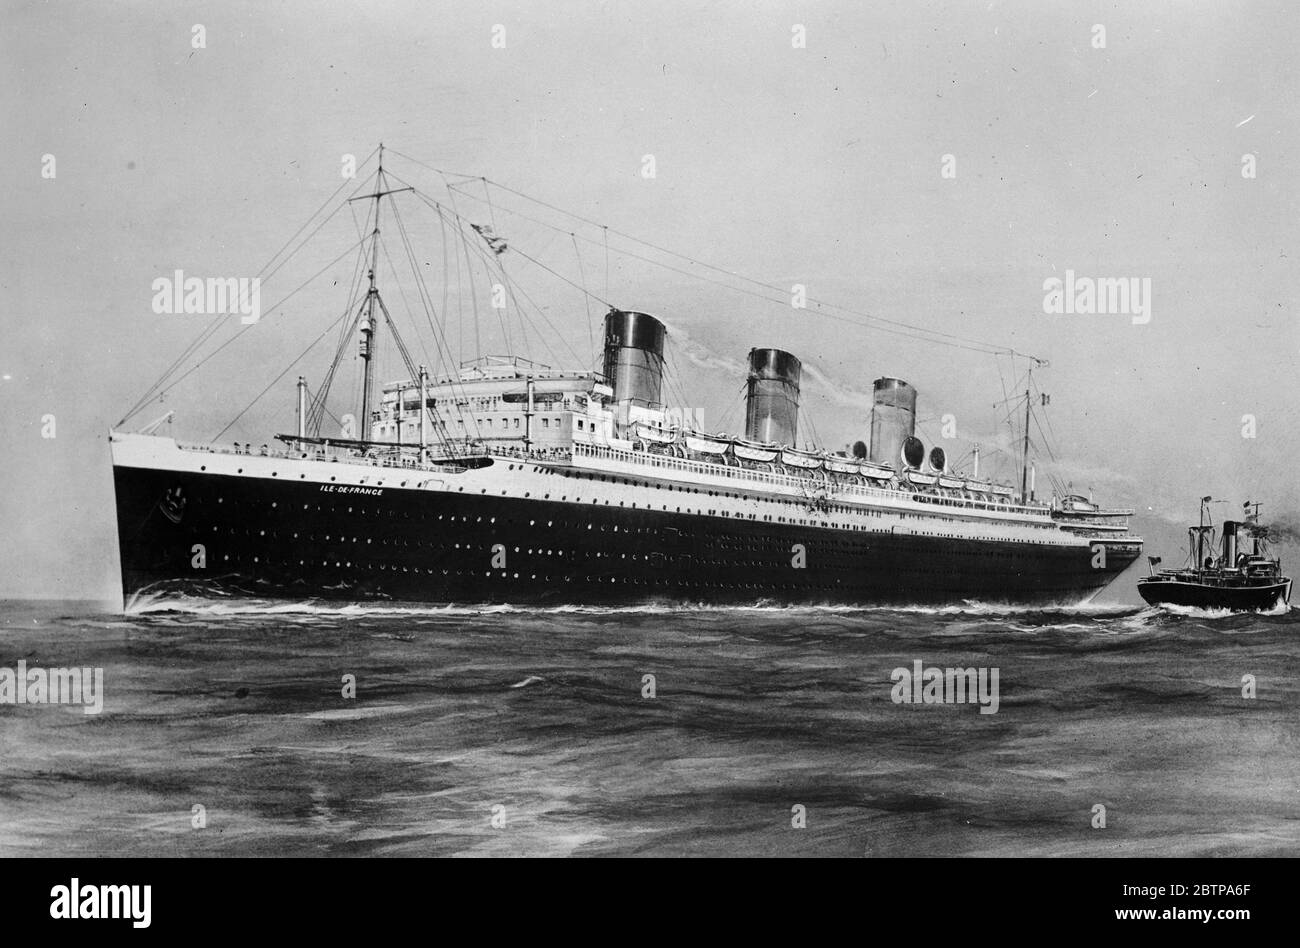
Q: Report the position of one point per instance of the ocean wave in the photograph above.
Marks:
(163, 603)
(1196, 612)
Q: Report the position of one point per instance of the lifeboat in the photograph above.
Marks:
(706, 445)
(841, 466)
(921, 480)
(800, 459)
(657, 435)
(878, 473)
(747, 453)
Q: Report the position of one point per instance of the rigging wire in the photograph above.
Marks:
(582, 276)
(204, 335)
(422, 293)
(275, 380)
(478, 342)
(942, 338)
(346, 330)
(439, 336)
(490, 260)
(240, 333)
(738, 399)
(784, 301)
(365, 181)
(470, 247)
(397, 336)
(511, 286)
(316, 415)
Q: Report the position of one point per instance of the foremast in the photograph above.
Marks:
(369, 324)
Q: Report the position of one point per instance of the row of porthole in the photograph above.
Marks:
(717, 542)
(441, 546)
(699, 561)
(490, 520)
(347, 564)
(383, 541)
(407, 516)
(664, 507)
(383, 567)
(204, 467)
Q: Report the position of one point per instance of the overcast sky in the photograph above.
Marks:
(818, 166)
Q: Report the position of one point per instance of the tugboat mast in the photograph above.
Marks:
(1196, 535)
(1200, 533)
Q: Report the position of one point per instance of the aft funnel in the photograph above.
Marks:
(893, 420)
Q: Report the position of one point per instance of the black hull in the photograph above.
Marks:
(268, 538)
(1198, 596)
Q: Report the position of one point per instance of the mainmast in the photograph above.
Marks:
(1024, 467)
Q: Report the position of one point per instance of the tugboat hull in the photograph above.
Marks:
(1165, 592)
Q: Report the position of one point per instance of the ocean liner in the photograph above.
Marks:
(504, 480)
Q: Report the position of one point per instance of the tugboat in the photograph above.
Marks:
(1237, 580)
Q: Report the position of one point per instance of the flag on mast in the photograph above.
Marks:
(495, 243)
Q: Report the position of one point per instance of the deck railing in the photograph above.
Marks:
(801, 484)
